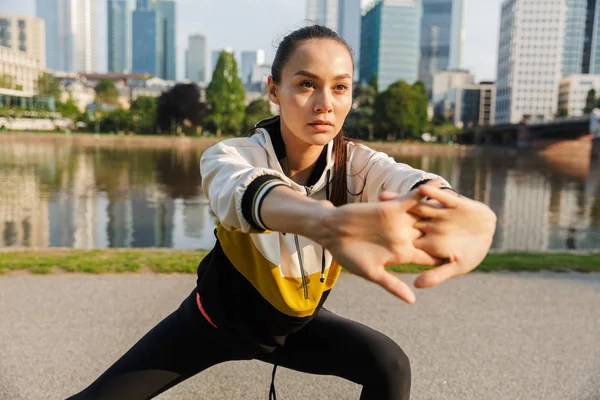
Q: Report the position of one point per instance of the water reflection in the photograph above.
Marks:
(62, 195)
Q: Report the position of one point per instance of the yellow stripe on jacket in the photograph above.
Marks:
(285, 294)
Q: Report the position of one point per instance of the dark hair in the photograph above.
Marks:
(282, 56)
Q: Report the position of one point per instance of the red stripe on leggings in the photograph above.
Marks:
(202, 310)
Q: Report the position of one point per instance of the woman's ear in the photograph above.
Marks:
(272, 91)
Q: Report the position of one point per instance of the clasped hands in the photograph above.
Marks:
(429, 227)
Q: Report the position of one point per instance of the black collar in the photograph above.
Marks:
(274, 131)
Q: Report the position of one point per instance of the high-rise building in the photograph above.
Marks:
(70, 34)
(153, 38)
(582, 38)
(530, 59)
(249, 60)
(390, 37)
(197, 59)
(349, 23)
(442, 38)
(342, 16)
(166, 11)
(322, 12)
(119, 17)
(22, 51)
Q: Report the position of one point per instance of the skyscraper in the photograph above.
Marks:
(249, 60)
(322, 12)
(349, 24)
(197, 59)
(166, 11)
(70, 34)
(530, 59)
(153, 38)
(582, 38)
(442, 38)
(342, 16)
(119, 13)
(390, 40)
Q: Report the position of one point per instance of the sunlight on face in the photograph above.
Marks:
(315, 92)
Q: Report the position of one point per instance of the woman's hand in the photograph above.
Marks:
(366, 237)
(460, 231)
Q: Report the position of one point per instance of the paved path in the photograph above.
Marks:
(483, 336)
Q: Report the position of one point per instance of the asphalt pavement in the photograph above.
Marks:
(498, 336)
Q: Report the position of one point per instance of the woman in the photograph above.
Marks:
(294, 202)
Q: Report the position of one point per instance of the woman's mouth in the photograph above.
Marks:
(321, 125)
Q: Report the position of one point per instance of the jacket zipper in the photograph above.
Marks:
(302, 273)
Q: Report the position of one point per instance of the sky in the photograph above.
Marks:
(261, 24)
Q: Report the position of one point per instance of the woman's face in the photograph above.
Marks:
(315, 92)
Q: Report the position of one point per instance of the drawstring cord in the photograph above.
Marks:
(323, 254)
(272, 394)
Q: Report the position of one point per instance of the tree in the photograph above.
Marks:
(359, 122)
(180, 107)
(590, 101)
(255, 111)
(143, 114)
(106, 92)
(562, 113)
(48, 85)
(225, 96)
(420, 107)
(68, 109)
(398, 112)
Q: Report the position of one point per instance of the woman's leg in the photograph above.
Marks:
(333, 345)
(180, 346)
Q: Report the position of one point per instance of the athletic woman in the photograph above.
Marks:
(295, 201)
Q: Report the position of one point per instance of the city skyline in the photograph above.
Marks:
(481, 24)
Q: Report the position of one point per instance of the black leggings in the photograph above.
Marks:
(184, 343)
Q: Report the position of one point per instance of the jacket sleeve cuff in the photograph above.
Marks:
(253, 197)
(424, 181)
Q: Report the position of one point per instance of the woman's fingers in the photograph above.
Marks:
(446, 197)
(423, 258)
(386, 196)
(437, 275)
(425, 210)
(392, 284)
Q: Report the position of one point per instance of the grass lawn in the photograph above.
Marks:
(186, 261)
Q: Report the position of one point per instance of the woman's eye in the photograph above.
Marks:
(341, 88)
(307, 84)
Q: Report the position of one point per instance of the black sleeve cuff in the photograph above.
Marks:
(254, 196)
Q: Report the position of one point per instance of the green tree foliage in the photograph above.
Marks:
(48, 85)
(562, 113)
(225, 97)
(590, 101)
(180, 108)
(359, 122)
(68, 109)
(143, 114)
(106, 92)
(257, 110)
(400, 111)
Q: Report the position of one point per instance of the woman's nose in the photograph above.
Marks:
(323, 103)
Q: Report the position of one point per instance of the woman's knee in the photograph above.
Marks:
(389, 363)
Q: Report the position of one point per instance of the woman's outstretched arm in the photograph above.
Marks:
(362, 237)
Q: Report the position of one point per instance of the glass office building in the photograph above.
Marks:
(390, 40)
(442, 38)
(582, 45)
(119, 34)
